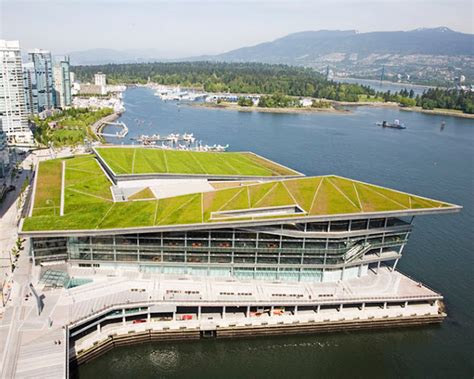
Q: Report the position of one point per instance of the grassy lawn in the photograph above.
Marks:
(48, 188)
(89, 204)
(146, 161)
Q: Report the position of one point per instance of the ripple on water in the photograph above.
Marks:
(166, 360)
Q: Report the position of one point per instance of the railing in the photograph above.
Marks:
(300, 302)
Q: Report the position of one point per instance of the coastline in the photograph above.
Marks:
(334, 110)
(439, 112)
(235, 107)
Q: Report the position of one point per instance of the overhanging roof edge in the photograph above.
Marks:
(238, 223)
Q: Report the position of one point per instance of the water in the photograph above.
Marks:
(385, 86)
(421, 159)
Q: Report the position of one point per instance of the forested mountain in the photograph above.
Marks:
(304, 46)
(429, 56)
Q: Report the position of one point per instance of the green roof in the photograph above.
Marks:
(141, 160)
(88, 203)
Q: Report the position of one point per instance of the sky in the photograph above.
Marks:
(181, 28)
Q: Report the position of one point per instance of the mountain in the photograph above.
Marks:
(436, 56)
(427, 56)
(305, 46)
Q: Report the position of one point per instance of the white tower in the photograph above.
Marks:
(13, 111)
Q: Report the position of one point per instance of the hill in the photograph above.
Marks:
(432, 56)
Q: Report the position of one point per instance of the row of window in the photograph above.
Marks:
(228, 234)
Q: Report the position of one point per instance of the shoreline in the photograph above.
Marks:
(438, 112)
(334, 110)
(292, 110)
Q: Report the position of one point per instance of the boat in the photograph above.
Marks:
(395, 125)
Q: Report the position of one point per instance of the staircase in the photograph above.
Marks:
(357, 251)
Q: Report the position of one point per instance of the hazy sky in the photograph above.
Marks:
(182, 28)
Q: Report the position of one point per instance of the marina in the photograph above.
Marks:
(173, 141)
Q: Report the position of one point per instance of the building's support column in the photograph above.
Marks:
(363, 306)
(149, 315)
(395, 265)
(385, 305)
(223, 312)
(123, 316)
(98, 328)
(248, 311)
(32, 251)
(115, 250)
(318, 309)
(406, 304)
(138, 249)
(271, 310)
(340, 307)
(296, 310)
(174, 316)
(199, 312)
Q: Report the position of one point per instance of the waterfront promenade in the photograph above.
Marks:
(37, 345)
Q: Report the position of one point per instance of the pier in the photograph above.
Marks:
(120, 134)
(109, 120)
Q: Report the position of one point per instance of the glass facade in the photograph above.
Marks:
(325, 251)
(43, 64)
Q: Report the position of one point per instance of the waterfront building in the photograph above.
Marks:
(13, 112)
(100, 79)
(156, 244)
(62, 82)
(43, 64)
(31, 91)
(240, 217)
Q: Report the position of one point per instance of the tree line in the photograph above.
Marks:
(267, 79)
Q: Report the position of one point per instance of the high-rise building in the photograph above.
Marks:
(31, 92)
(62, 82)
(13, 113)
(100, 79)
(44, 78)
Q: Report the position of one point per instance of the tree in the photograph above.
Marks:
(407, 102)
(244, 101)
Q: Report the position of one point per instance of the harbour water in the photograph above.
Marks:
(423, 159)
(385, 86)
